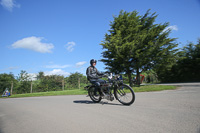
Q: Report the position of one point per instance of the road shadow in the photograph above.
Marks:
(84, 102)
(1, 131)
(198, 130)
(90, 102)
(1, 126)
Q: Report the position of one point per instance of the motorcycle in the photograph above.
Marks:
(114, 87)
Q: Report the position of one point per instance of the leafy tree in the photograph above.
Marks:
(5, 81)
(150, 76)
(23, 76)
(49, 82)
(74, 79)
(55, 82)
(135, 44)
(185, 68)
(40, 75)
(24, 82)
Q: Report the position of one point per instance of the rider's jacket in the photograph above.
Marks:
(93, 74)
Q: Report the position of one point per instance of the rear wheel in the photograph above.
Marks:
(95, 97)
(124, 94)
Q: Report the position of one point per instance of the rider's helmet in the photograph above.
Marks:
(92, 61)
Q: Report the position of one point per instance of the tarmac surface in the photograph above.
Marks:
(171, 111)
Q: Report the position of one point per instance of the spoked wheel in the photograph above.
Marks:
(125, 94)
(94, 97)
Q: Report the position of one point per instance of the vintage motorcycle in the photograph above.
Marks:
(122, 92)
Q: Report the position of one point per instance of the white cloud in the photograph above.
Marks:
(79, 64)
(9, 4)
(13, 68)
(70, 46)
(33, 43)
(33, 76)
(57, 72)
(173, 27)
(57, 66)
(10, 68)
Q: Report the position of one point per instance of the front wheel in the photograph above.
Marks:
(95, 97)
(124, 94)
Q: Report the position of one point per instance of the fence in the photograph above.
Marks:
(18, 87)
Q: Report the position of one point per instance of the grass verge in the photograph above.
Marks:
(51, 93)
(84, 92)
(148, 88)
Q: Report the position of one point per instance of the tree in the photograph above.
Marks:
(23, 76)
(136, 44)
(24, 82)
(76, 79)
(185, 68)
(5, 81)
(49, 82)
(40, 75)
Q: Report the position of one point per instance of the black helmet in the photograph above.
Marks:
(92, 61)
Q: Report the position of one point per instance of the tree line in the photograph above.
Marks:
(185, 65)
(23, 83)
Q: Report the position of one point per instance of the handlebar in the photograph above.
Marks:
(111, 77)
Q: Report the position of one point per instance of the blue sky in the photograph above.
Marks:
(61, 36)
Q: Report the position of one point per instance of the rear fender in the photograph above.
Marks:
(87, 87)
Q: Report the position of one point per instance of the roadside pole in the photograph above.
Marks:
(79, 83)
(63, 84)
(11, 87)
(31, 86)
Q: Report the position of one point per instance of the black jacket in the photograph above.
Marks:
(93, 74)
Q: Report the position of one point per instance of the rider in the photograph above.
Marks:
(93, 75)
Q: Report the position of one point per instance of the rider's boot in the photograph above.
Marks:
(95, 92)
(100, 92)
(98, 89)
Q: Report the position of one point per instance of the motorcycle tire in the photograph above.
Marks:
(124, 94)
(96, 98)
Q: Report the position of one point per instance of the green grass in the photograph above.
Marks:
(51, 93)
(146, 88)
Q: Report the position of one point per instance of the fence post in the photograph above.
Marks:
(63, 84)
(11, 87)
(31, 86)
(79, 83)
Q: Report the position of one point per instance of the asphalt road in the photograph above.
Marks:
(172, 111)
